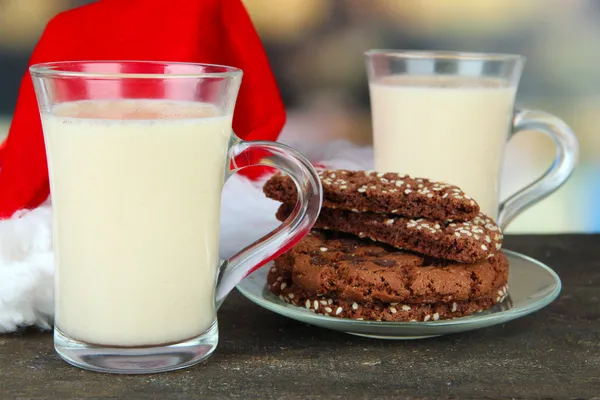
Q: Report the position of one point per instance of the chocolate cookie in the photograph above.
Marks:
(396, 312)
(388, 193)
(341, 267)
(465, 242)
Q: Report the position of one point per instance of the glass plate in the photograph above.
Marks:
(532, 286)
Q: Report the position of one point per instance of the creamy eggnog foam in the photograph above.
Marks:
(447, 128)
(136, 189)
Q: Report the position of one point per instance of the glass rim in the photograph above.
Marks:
(57, 68)
(444, 55)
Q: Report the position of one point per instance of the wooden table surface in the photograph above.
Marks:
(552, 354)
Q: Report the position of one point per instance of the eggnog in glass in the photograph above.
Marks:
(138, 153)
(153, 241)
(447, 117)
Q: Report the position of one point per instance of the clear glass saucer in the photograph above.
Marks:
(532, 286)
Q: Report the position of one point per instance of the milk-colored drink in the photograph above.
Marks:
(450, 129)
(136, 188)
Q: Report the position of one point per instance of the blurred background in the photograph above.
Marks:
(316, 50)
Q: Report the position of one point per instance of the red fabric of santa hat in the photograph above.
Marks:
(206, 31)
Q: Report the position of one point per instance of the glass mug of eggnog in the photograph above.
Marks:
(138, 153)
(447, 116)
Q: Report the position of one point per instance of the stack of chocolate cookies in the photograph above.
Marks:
(390, 248)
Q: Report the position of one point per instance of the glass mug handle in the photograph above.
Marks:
(565, 160)
(245, 154)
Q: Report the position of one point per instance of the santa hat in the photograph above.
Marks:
(207, 31)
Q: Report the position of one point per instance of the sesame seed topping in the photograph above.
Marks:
(429, 195)
(324, 302)
(307, 304)
(338, 311)
(283, 285)
(487, 239)
(359, 319)
(437, 226)
(436, 316)
(362, 190)
(389, 222)
(406, 307)
(316, 305)
(407, 191)
(332, 176)
(281, 297)
(328, 309)
(323, 249)
(393, 310)
(273, 269)
(355, 306)
(379, 175)
(361, 234)
(291, 295)
(484, 247)
(329, 301)
(394, 211)
(427, 318)
(373, 187)
(343, 187)
(399, 183)
(454, 307)
(500, 292)
(498, 299)
(445, 195)
(456, 234)
(420, 185)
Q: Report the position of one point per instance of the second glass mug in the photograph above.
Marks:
(447, 116)
(138, 153)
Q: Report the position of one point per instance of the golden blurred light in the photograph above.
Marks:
(285, 21)
(584, 118)
(432, 16)
(338, 59)
(22, 21)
